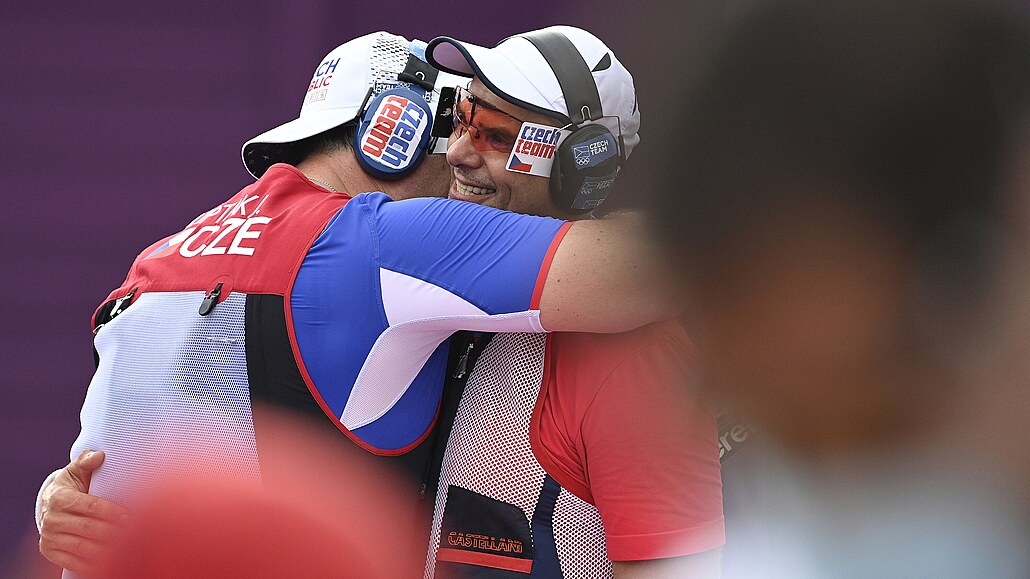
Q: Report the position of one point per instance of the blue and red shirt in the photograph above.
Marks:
(309, 295)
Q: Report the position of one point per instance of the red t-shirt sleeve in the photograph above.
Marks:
(617, 424)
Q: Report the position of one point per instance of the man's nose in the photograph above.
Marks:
(461, 152)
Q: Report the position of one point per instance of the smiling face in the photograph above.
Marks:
(481, 176)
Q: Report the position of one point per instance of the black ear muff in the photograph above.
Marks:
(587, 161)
(584, 169)
(394, 133)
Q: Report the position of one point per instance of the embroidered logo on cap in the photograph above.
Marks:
(319, 85)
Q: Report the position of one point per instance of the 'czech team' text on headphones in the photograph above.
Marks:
(396, 128)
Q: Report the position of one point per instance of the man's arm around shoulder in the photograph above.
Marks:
(606, 276)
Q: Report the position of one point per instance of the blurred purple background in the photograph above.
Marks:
(121, 121)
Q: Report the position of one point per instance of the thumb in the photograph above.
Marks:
(81, 469)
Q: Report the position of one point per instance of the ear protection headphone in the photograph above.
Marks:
(395, 132)
(587, 161)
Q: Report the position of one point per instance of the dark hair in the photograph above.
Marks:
(907, 108)
(335, 139)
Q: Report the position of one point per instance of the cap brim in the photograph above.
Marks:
(495, 70)
(310, 124)
(452, 56)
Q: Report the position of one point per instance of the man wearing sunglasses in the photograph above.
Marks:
(296, 294)
(569, 454)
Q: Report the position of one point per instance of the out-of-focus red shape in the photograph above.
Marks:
(323, 509)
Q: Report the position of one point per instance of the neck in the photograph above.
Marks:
(341, 171)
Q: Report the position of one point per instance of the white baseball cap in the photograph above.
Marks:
(339, 87)
(516, 71)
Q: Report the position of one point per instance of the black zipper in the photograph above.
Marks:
(210, 300)
(119, 306)
(462, 364)
(454, 387)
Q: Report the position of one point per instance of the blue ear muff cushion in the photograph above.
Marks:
(394, 133)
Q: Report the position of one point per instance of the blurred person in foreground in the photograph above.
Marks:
(321, 509)
(571, 454)
(300, 293)
(854, 247)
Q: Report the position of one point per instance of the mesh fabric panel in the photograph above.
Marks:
(170, 395)
(489, 453)
(579, 537)
(389, 57)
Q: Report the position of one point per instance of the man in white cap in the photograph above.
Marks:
(296, 294)
(570, 454)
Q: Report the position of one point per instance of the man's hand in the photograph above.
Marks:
(77, 528)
